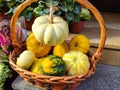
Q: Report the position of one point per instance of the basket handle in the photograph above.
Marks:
(14, 19)
(100, 20)
(85, 3)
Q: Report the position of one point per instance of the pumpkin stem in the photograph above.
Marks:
(51, 12)
(41, 44)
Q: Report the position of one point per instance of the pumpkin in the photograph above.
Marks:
(50, 33)
(37, 66)
(53, 65)
(61, 49)
(80, 42)
(37, 48)
(76, 62)
(26, 59)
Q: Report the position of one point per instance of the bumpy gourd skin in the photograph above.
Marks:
(37, 66)
(53, 65)
(50, 33)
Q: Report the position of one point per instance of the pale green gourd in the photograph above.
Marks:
(26, 59)
(76, 62)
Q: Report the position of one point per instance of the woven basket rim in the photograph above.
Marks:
(25, 73)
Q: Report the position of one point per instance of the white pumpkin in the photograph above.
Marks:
(76, 62)
(50, 33)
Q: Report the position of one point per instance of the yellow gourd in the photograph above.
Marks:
(50, 32)
(37, 66)
(61, 49)
(37, 48)
(76, 62)
(80, 42)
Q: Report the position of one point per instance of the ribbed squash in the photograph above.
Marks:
(76, 62)
(37, 66)
(80, 42)
(50, 33)
(53, 65)
(37, 48)
(61, 49)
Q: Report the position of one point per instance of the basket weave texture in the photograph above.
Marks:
(55, 82)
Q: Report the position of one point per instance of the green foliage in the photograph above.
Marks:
(85, 14)
(3, 57)
(68, 9)
(1, 3)
(4, 73)
(5, 70)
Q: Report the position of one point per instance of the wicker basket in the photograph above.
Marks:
(55, 82)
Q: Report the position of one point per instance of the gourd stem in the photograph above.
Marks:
(51, 12)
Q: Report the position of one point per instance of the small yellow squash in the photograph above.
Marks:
(76, 62)
(37, 66)
(61, 49)
(50, 33)
(37, 48)
(80, 42)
